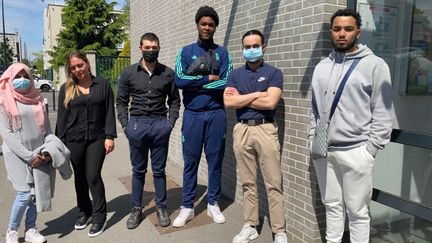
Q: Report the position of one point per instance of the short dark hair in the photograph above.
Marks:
(150, 37)
(347, 12)
(207, 11)
(254, 32)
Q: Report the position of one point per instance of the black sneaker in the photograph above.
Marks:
(96, 229)
(134, 219)
(163, 217)
(82, 222)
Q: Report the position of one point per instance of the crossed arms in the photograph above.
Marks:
(266, 100)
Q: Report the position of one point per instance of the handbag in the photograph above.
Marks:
(320, 141)
(204, 65)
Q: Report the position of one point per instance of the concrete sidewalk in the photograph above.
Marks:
(57, 225)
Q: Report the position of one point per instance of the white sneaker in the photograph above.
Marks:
(280, 237)
(184, 216)
(33, 236)
(214, 212)
(12, 236)
(246, 234)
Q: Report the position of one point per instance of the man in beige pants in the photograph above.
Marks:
(254, 90)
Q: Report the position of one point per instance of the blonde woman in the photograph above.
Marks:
(86, 123)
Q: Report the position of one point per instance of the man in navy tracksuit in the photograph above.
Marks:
(204, 118)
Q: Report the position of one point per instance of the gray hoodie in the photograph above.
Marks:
(363, 114)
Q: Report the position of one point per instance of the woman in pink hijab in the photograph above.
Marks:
(23, 127)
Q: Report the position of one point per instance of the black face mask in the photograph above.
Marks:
(150, 56)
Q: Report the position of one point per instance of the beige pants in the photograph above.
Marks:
(254, 144)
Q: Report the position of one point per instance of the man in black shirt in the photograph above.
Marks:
(146, 85)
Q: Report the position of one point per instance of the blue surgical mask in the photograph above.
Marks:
(253, 54)
(21, 84)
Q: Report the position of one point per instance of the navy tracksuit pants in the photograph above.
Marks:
(144, 135)
(203, 129)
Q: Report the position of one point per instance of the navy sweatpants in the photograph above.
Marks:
(144, 135)
(203, 129)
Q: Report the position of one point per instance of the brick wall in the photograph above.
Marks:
(297, 39)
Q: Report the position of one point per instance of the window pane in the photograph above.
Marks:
(405, 171)
(400, 32)
(390, 225)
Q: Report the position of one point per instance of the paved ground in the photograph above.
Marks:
(57, 225)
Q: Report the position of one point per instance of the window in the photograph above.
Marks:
(400, 32)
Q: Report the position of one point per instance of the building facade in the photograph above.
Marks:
(52, 27)
(297, 35)
(14, 41)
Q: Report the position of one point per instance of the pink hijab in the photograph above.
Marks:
(9, 97)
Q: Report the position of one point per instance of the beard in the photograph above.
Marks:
(345, 47)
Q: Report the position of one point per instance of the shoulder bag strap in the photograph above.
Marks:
(341, 87)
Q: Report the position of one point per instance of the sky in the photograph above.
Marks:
(26, 17)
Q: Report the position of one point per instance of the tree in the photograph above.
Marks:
(38, 62)
(88, 25)
(9, 55)
(126, 11)
(126, 52)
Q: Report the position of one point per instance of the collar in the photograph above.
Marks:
(257, 69)
(141, 68)
(211, 45)
(95, 80)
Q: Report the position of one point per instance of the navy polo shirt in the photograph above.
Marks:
(247, 80)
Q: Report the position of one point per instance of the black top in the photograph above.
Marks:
(87, 117)
(147, 93)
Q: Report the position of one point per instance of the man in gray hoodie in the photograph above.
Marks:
(360, 126)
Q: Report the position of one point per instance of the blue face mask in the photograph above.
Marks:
(21, 84)
(253, 54)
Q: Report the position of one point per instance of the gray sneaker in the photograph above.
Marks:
(135, 218)
(163, 217)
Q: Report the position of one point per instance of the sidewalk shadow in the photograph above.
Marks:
(174, 201)
(120, 206)
(62, 225)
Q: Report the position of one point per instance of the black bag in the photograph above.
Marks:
(204, 65)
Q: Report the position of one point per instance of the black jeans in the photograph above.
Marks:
(87, 159)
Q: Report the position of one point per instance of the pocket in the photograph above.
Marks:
(168, 126)
(132, 124)
(367, 154)
(126, 127)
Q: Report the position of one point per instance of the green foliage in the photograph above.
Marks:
(126, 52)
(89, 25)
(9, 55)
(38, 62)
(126, 11)
(111, 68)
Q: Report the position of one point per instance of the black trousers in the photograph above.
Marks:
(87, 159)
